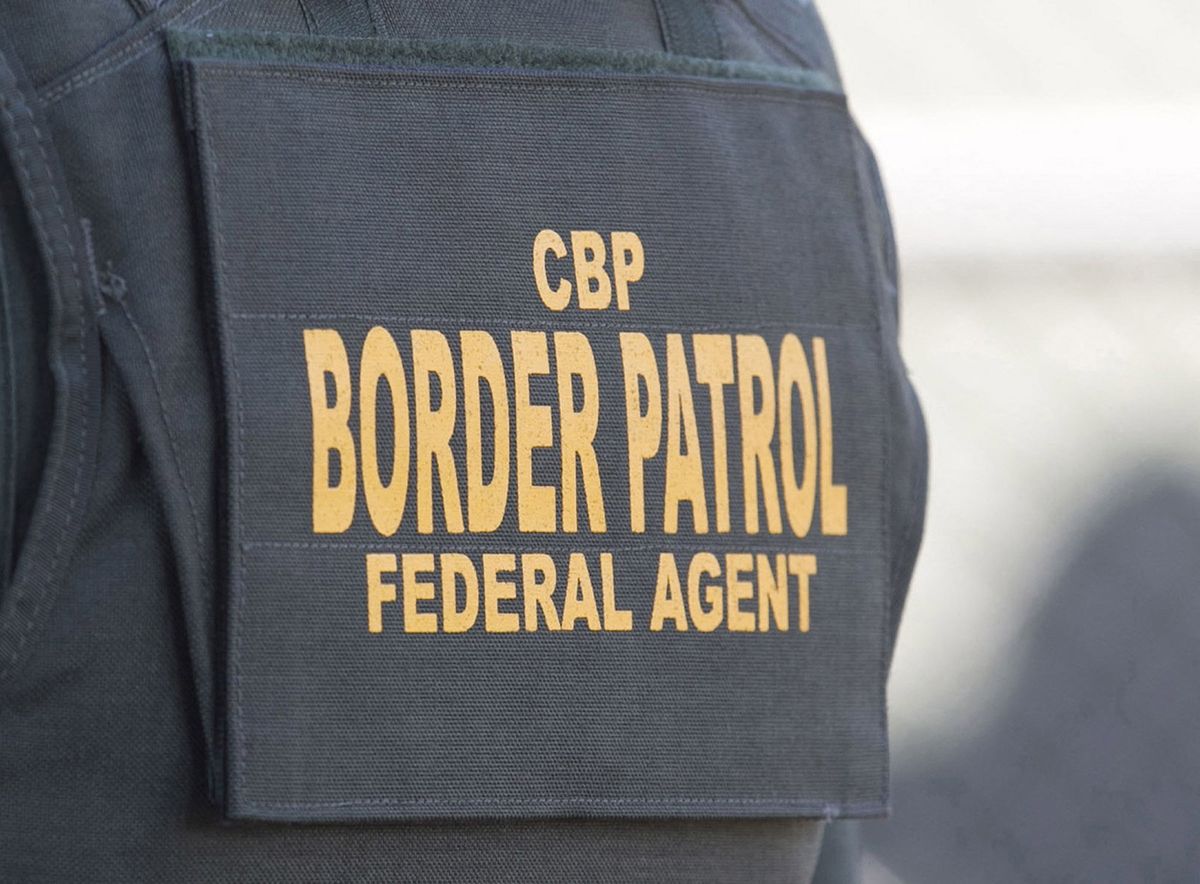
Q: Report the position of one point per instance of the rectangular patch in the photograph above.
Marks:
(555, 434)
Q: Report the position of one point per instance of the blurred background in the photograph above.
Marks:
(1043, 162)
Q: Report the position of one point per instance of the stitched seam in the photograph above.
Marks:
(826, 808)
(21, 161)
(240, 749)
(112, 63)
(700, 542)
(412, 320)
(8, 376)
(281, 49)
(225, 343)
(614, 81)
(171, 438)
(885, 626)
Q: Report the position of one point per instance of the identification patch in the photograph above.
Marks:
(555, 424)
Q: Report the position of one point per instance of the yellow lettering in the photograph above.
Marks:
(684, 472)
(496, 590)
(481, 363)
(415, 591)
(668, 596)
(615, 619)
(802, 567)
(580, 601)
(381, 359)
(772, 592)
(714, 368)
(705, 565)
(643, 429)
(737, 564)
(455, 619)
(833, 497)
(431, 356)
(378, 592)
(539, 591)
(758, 428)
(332, 506)
(797, 498)
(587, 251)
(554, 298)
(577, 429)
(629, 260)
(536, 504)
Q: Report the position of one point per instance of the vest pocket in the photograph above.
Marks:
(556, 403)
(51, 255)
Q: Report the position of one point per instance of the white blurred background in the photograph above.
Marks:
(1043, 164)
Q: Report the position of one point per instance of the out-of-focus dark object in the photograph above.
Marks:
(1091, 771)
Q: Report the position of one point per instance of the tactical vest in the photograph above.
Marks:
(444, 441)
